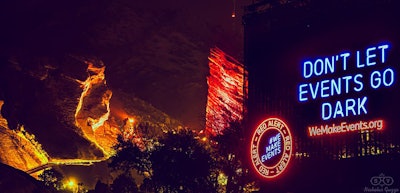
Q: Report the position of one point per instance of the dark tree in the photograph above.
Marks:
(129, 156)
(176, 163)
(100, 188)
(147, 186)
(182, 164)
(124, 184)
(230, 153)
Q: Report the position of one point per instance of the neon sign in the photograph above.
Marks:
(317, 85)
(271, 148)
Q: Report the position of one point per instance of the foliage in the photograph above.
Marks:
(51, 178)
(100, 187)
(179, 163)
(184, 162)
(229, 154)
(147, 186)
(124, 184)
(130, 156)
(22, 133)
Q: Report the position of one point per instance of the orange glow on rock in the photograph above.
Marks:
(21, 149)
(93, 110)
(226, 92)
(96, 76)
(131, 133)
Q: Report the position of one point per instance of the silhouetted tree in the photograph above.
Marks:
(230, 153)
(177, 163)
(181, 164)
(100, 187)
(147, 186)
(129, 156)
(124, 184)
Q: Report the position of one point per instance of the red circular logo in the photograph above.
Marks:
(271, 147)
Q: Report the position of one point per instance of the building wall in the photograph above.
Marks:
(280, 38)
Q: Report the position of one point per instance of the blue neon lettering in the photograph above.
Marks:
(347, 78)
(358, 82)
(324, 65)
(305, 65)
(391, 80)
(338, 109)
(370, 56)
(344, 108)
(331, 87)
(359, 65)
(273, 149)
(314, 92)
(375, 79)
(350, 107)
(361, 105)
(330, 64)
(344, 56)
(350, 83)
(383, 48)
(302, 92)
(336, 86)
(315, 67)
(326, 113)
(324, 88)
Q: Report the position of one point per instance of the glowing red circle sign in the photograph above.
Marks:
(271, 147)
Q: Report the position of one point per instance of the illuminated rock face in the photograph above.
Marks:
(19, 149)
(101, 117)
(63, 110)
(41, 93)
(93, 109)
(226, 92)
